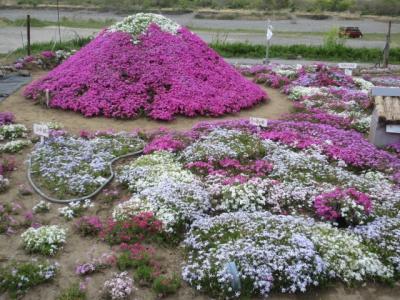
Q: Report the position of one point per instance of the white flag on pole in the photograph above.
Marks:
(269, 34)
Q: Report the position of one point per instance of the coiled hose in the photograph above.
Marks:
(55, 200)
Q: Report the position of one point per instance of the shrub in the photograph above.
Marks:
(7, 220)
(106, 260)
(18, 277)
(75, 209)
(41, 207)
(46, 240)
(89, 225)
(164, 286)
(6, 117)
(120, 286)
(347, 207)
(143, 275)
(73, 292)
(134, 256)
(137, 228)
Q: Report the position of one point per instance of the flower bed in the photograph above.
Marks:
(77, 166)
(284, 253)
(328, 179)
(321, 93)
(45, 240)
(390, 81)
(18, 277)
(147, 65)
(283, 208)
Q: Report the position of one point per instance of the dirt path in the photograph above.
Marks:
(28, 113)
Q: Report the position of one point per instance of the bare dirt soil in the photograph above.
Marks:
(77, 248)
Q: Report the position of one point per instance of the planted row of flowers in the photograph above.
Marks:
(12, 140)
(77, 166)
(321, 94)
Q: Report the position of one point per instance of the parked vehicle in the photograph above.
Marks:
(350, 32)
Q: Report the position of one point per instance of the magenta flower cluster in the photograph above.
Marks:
(163, 76)
(7, 165)
(314, 115)
(332, 206)
(324, 75)
(89, 225)
(232, 169)
(392, 81)
(6, 117)
(48, 54)
(165, 142)
(273, 79)
(347, 145)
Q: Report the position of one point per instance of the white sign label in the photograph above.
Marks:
(347, 65)
(261, 122)
(41, 130)
(348, 72)
(393, 128)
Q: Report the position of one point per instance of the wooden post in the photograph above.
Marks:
(28, 33)
(58, 21)
(386, 51)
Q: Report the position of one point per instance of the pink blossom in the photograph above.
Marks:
(162, 76)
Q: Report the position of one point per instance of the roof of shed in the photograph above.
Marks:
(388, 108)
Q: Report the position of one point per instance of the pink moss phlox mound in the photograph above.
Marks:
(162, 76)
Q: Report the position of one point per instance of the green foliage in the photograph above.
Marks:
(165, 286)
(337, 53)
(246, 50)
(73, 292)
(390, 7)
(124, 261)
(333, 5)
(18, 277)
(37, 48)
(144, 275)
(332, 40)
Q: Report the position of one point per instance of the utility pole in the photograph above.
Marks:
(386, 51)
(28, 33)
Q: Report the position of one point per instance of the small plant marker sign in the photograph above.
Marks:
(348, 68)
(41, 130)
(392, 128)
(259, 122)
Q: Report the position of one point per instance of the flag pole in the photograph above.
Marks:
(268, 35)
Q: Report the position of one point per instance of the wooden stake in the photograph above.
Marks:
(386, 51)
(28, 33)
(58, 21)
